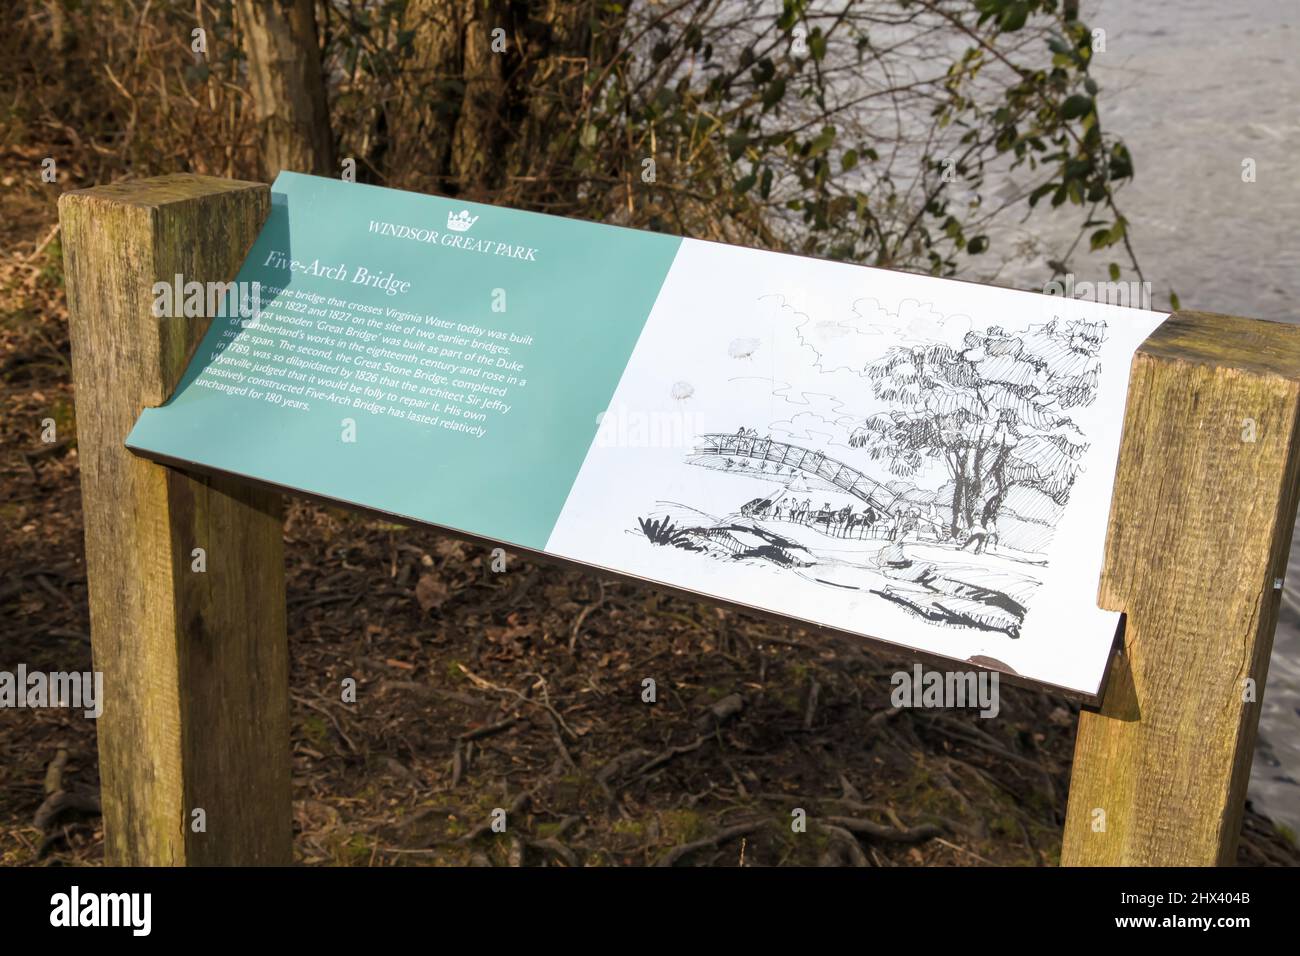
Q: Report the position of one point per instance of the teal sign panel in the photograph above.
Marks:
(431, 358)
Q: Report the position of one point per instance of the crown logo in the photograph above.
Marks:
(460, 221)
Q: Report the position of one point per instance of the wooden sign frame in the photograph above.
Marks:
(197, 665)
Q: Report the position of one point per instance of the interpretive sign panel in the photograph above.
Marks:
(920, 461)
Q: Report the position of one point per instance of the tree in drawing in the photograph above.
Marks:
(996, 411)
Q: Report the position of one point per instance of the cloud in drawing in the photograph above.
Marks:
(810, 428)
(869, 329)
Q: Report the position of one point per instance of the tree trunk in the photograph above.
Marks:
(284, 70)
(560, 55)
(481, 131)
(958, 485)
(494, 116)
(974, 488)
(449, 130)
(422, 119)
(994, 504)
(997, 473)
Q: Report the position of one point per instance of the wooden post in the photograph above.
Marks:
(195, 663)
(1200, 528)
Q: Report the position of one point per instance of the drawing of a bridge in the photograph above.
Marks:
(807, 460)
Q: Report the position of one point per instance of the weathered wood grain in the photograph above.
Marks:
(195, 664)
(1200, 528)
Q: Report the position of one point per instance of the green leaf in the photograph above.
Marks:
(789, 16)
(822, 142)
(977, 245)
(1114, 271)
(1108, 237)
(1121, 163)
(1173, 300)
(817, 45)
(1075, 106)
(773, 92)
(849, 159)
(1040, 192)
(1014, 17)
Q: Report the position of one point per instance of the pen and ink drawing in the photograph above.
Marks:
(933, 483)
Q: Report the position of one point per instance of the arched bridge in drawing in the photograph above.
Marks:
(808, 460)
